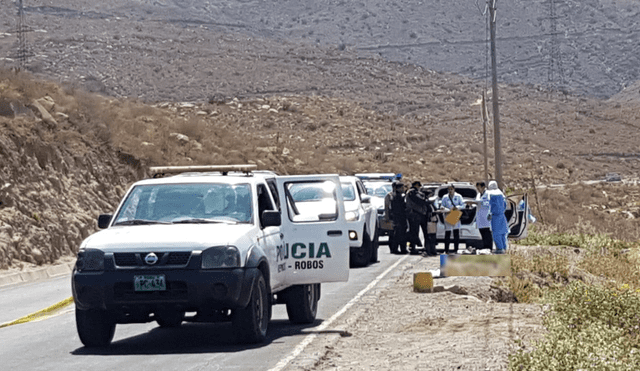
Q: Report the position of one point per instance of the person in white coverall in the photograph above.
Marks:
(499, 225)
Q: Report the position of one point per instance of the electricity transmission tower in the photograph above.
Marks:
(555, 58)
(24, 52)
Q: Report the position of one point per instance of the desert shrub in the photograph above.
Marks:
(589, 327)
(194, 128)
(476, 148)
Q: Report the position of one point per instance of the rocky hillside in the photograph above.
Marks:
(56, 172)
(68, 155)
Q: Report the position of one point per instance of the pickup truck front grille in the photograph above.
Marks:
(177, 258)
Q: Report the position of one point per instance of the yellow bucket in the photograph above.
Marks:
(423, 282)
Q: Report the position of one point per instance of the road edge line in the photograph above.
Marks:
(309, 338)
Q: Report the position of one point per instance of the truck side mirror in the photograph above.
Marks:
(104, 220)
(271, 218)
(366, 199)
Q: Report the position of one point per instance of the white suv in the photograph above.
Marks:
(378, 185)
(224, 243)
(469, 233)
(362, 221)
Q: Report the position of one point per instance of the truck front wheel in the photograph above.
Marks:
(302, 303)
(95, 327)
(251, 322)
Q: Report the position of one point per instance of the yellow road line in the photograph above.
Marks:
(40, 314)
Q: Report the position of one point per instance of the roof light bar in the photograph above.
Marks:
(373, 176)
(162, 170)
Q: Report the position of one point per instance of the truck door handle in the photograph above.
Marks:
(334, 233)
(281, 235)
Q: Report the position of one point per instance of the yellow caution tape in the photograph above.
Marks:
(43, 313)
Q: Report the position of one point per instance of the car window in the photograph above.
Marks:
(348, 192)
(378, 189)
(311, 201)
(181, 202)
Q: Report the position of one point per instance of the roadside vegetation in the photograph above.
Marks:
(589, 284)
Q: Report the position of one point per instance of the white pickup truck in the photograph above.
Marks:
(209, 244)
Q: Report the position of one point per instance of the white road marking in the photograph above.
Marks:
(307, 340)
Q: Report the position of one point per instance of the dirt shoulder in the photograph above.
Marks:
(461, 327)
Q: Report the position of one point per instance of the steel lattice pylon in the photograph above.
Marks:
(24, 52)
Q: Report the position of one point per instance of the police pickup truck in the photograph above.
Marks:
(210, 244)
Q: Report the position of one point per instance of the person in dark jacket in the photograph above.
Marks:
(431, 215)
(416, 216)
(395, 207)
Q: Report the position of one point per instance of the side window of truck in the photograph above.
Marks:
(264, 201)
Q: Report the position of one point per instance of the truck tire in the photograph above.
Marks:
(362, 256)
(95, 327)
(375, 244)
(302, 303)
(252, 321)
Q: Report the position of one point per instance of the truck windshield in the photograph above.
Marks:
(179, 203)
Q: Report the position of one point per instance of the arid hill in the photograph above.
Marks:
(114, 87)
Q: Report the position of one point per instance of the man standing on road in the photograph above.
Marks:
(395, 207)
(416, 215)
(452, 201)
(482, 215)
(430, 240)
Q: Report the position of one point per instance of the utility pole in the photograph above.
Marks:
(484, 131)
(494, 87)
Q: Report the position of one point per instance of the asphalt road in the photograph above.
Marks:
(53, 344)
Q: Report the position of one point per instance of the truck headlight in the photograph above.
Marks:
(220, 257)
(90, 260)
(352, 216)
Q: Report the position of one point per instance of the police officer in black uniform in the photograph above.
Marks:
(416, 216)
(396, 209)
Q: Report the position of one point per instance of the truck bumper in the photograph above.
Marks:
(186, 290)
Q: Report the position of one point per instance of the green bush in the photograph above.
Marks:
(589, 328)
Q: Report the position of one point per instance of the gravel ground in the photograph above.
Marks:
(461, 327)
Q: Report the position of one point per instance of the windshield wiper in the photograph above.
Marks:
(139, 222)
(197, 221)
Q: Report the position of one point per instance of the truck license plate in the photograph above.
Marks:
(149, 283)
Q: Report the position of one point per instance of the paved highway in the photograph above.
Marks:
(53, 344)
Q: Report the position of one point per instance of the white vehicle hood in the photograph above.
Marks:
(174, 237)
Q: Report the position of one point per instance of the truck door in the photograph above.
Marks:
(519, 221)
(316, 242)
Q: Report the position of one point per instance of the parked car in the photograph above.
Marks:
(362, 221)
(222, 242)
(469, 233)
(378, 185)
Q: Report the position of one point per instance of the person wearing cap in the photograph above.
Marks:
(499, 225)
(416, 216)
(451, 201)
(395, 208)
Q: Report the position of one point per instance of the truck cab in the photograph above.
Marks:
(223, 243)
